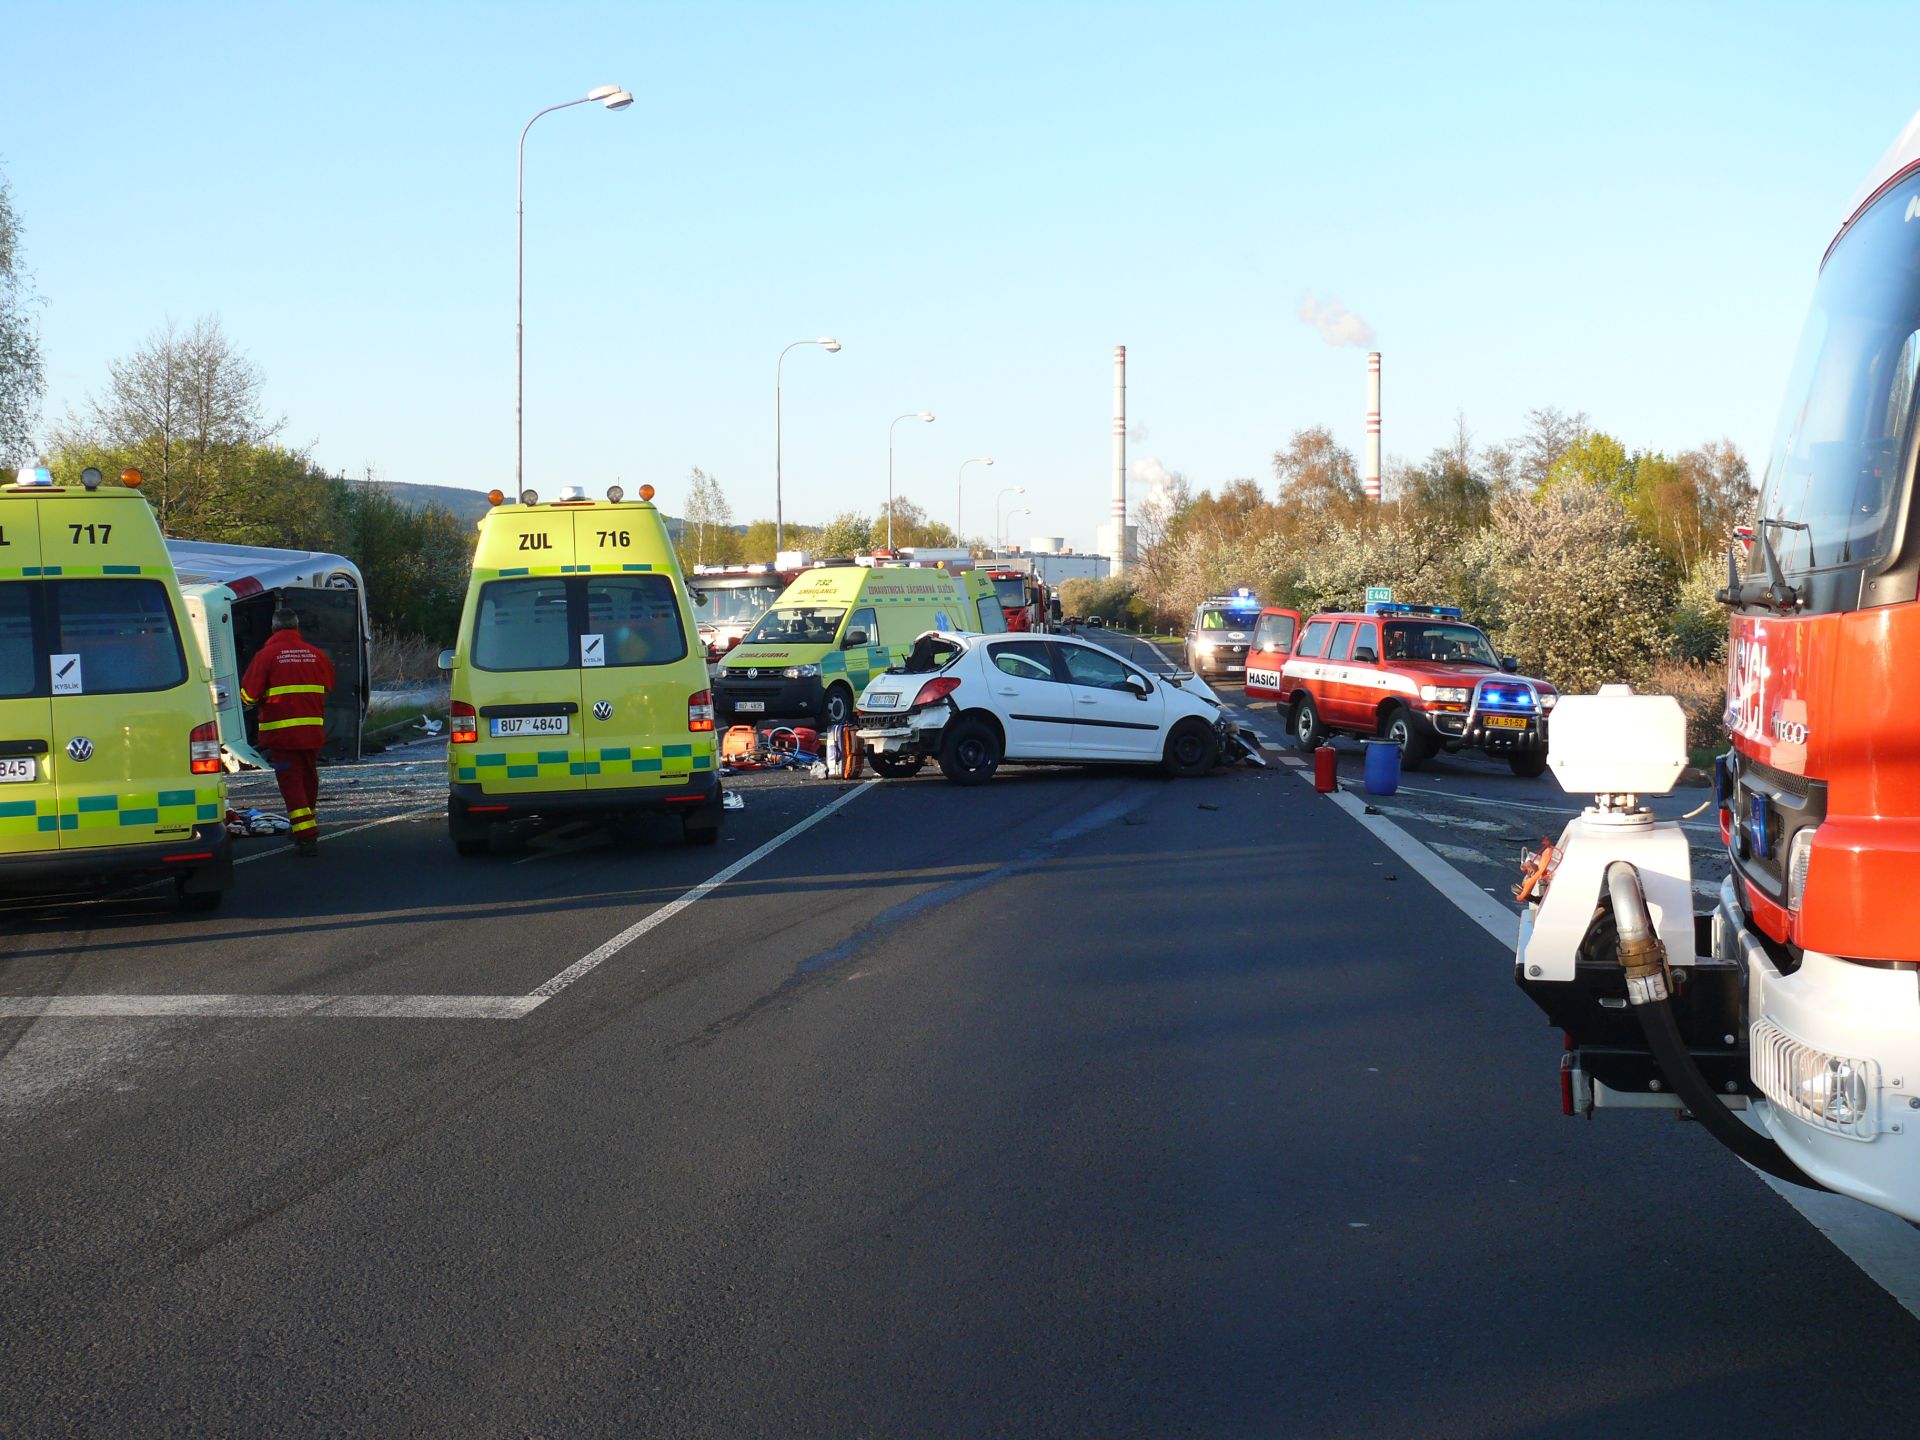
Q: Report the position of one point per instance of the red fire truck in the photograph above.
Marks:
(1788, 1021)
(728, 600)
(1023, 598)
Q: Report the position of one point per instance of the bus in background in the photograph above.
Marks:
(230, 593)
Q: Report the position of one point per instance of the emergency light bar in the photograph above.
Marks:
(1432, 612)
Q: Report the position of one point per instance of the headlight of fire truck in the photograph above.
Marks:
(801, 672)
(1443, 694)
(1548, 700)
(1799, 856)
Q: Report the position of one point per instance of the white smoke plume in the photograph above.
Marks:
(1337, 324)
(1149, 480)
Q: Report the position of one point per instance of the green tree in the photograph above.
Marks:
(708, 516)
(22, 376)
(844, 535)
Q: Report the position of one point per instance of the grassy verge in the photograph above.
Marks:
(392, 722)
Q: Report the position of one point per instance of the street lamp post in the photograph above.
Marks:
(614, 98)
(1023, 510)
(959, 535)
(999, 527)
(832, 347)
(926, 415)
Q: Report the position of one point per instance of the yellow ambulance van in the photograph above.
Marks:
(836, 627)
(579, 685)
(109, 753)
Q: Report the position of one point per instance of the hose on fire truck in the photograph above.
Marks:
(1650, 990)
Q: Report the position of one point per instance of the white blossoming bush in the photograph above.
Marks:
(1568, 586)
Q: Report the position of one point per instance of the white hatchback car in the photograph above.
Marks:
(974, 702)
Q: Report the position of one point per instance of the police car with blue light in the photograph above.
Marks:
(1417, 675)
(1221, 631)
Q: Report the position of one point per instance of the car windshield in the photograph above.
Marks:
(1012, 590)
(1837, 469)
(1220, 618)
(798, 625)
(1429, 640)
(735, 604)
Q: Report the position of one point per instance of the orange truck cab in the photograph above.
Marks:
(1790, 1025)
(1417, 675)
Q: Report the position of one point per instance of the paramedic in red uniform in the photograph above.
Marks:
(288, 683)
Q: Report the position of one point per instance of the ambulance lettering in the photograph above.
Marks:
(540, 541)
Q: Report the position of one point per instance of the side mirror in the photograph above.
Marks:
(1365, 656)
(1139, 685)
(854, 640)
(446, 659)
(1510, 664)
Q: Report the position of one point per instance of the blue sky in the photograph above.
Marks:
(1610, 208)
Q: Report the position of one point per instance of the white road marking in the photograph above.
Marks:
(266, 1007)
(392, 1007)
(1564, 812)
(595, 958)
(335, 834)
(1886, 1248)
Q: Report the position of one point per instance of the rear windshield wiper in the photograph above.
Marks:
(1773, 591)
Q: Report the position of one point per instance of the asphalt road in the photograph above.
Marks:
(1081, 1104)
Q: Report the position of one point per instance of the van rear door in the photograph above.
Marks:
(522, 666)
(127, 683)
(638, 668)
(29, 808)
(330, 622)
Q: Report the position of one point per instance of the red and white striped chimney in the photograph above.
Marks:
(1120, 556)
(1371, 479)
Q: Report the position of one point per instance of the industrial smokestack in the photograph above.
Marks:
(1119, 518)
(1371, 480)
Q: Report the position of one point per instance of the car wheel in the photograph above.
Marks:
(839, 707)
(896, 767)
(1307, 729)
(1404, 731)
(971, 752)
(1528, 764)
(1192, 749)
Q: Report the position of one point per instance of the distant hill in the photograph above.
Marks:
(469, 505)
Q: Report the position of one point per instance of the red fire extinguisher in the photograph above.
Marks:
(1324, 760)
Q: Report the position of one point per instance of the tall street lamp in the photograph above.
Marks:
(1023, 510)
(998, 527)
(926, 415)
(832, 347)
(614, 98)
(957, 490)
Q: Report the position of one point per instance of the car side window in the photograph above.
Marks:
(1314, 641)
(862, 619)
(1093, 667)
(1342, 645)
(1022, 659)
(1366, 646)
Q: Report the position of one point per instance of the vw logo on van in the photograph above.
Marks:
(603, 709)
(80, 748)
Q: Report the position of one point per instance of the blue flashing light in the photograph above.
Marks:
(1497, 695)
(1759, 808)
(1433, 612)
(38, 476)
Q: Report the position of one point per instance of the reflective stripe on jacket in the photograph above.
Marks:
(288, 682)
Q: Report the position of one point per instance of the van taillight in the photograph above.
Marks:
(203, 749)
(462, 724)
(700, 711)
(935, 691)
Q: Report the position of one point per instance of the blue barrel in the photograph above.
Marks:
(1383, 767)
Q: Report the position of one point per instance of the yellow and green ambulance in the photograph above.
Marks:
(579, 685)
(109, 752)
(836, 627)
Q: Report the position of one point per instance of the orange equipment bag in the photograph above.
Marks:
(738, 743)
